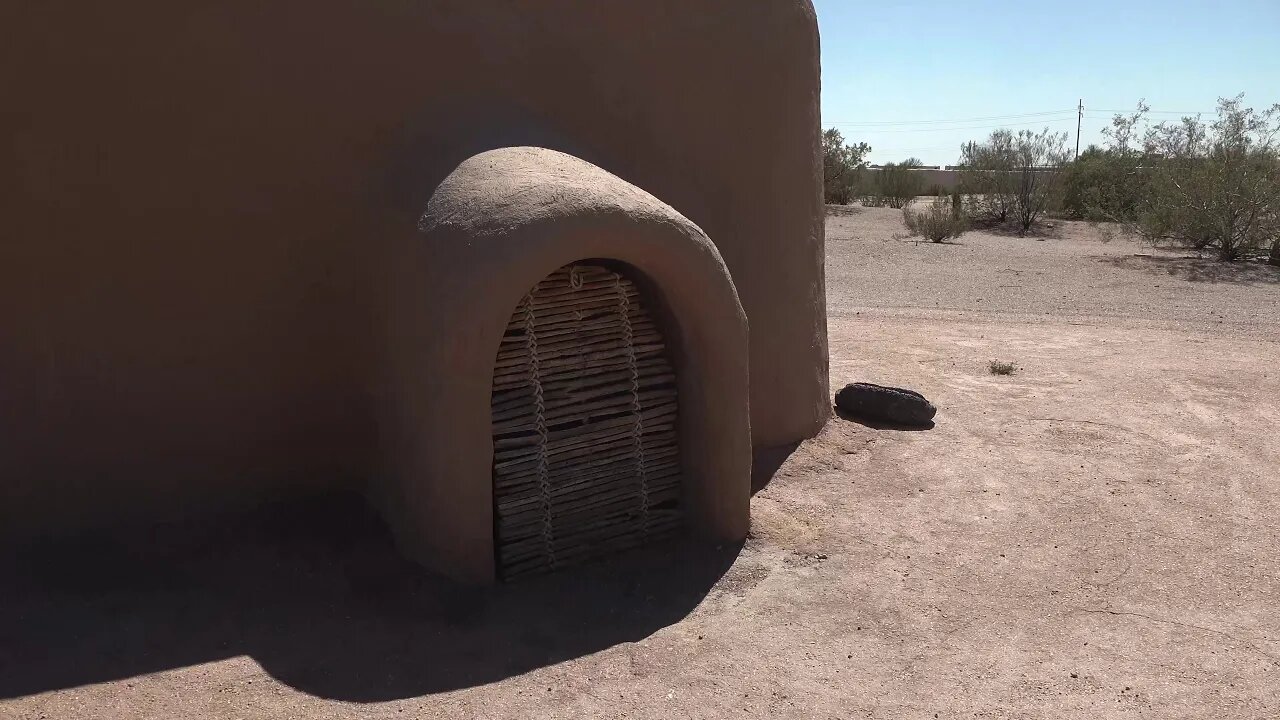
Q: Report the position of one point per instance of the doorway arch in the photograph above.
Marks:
(497, 226)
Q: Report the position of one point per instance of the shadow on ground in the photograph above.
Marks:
(920, 240)
(1197, 269)
(1051, 230)
(880, 424)
(766, 462)
(843, 210)
(317, 594)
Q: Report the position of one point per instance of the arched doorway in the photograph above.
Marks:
(586, 458)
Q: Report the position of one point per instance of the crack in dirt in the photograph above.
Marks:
(1275, 660)
(1095, 422)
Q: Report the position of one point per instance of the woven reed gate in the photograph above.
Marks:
(586, 459)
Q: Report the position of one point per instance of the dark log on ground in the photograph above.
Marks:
(878, 403)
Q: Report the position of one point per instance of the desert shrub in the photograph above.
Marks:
(896, 184)
(842, 166)
(934, 190)
(937, 222)
(1206, 185)
(1013, 177)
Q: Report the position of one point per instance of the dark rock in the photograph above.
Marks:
(885, 404)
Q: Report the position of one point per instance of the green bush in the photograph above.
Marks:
(937, 222)
(897, 184)
(1102, 185)
(1198, 184)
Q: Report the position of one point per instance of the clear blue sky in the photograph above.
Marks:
(888, 65)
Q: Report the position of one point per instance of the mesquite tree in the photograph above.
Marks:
(1013, 177)
(842, 166)
(1038, 161)
(986, 178)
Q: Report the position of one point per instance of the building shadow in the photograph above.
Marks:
(316, 592)
(765, 463)
(1202, 270)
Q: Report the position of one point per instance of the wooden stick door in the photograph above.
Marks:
(586, 458)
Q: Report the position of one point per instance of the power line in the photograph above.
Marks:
(1073, 113)
(969, 127)
(1044, 117)
(940, 122)
(1159, 112)
(896, 150)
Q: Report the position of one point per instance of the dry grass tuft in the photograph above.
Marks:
(1000, 368)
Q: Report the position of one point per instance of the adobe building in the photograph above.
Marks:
(535, 276)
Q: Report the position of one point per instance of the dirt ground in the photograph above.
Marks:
(1094, 536)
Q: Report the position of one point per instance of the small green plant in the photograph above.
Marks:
(937, 222)
(1000, 368)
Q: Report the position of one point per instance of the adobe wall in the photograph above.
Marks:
(196, 197)
(948, 180)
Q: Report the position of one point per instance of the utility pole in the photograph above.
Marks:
(1079, 117)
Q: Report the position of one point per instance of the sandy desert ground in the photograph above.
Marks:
(1096, 535)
